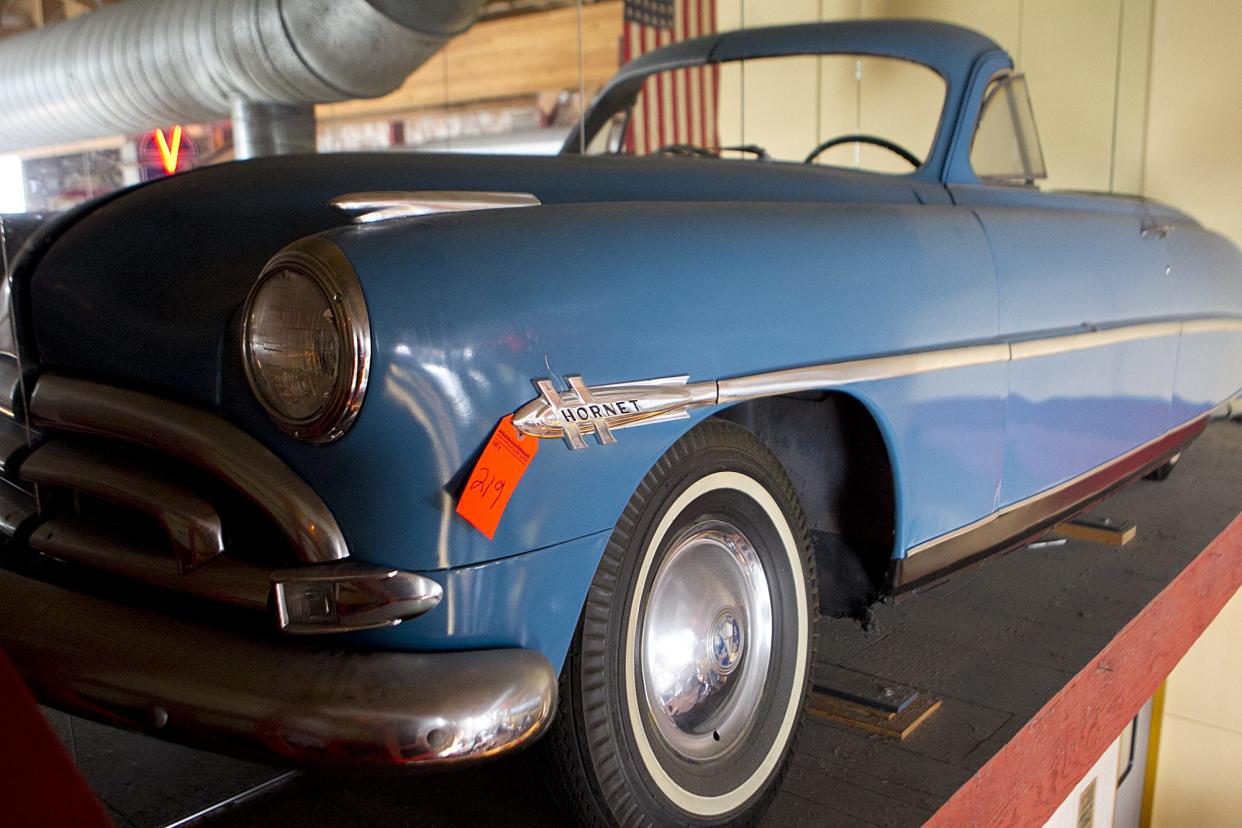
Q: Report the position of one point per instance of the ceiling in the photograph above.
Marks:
(18, 16)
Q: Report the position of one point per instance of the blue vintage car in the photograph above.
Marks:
(245, 406)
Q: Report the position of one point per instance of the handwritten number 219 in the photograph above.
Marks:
(485, 483)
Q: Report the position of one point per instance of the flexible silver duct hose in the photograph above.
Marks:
(141, 64)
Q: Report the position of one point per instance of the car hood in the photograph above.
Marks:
(145, 285)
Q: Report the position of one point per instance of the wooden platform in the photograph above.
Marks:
(1039, 659)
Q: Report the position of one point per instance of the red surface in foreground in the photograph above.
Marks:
(1025, 782)
(38, 783)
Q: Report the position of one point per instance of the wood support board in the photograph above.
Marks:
(869, 719)
(1099, 530)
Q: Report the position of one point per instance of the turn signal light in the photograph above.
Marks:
(348, 596)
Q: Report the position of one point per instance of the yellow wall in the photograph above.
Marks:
(1199, 764)
(1092, 117)
(1195, 130)
(1193, 161)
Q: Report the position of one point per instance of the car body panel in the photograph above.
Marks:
(158, 269)
(528, 601)
(196, 357)
(626, 322)
(1203, 269)
(1069, 263)
(971, 321)
(878, 265)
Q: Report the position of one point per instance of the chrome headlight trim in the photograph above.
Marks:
(325, 264)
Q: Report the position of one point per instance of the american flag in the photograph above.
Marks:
(677, 107)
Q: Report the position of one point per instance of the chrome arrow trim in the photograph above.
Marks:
(599, 409)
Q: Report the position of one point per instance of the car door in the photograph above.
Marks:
(1086, 303)
(1205, 270)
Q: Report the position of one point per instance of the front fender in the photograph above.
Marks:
(467, 309)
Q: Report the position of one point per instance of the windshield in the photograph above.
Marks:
(870, 113)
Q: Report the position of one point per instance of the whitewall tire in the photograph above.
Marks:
(682, 697)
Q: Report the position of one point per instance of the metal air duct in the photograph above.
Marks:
(140, 64)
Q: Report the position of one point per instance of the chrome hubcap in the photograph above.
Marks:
(726, 642)
(706, 641)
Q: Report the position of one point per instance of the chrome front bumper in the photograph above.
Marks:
(275, 699)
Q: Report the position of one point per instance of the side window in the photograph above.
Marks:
(1006, 146)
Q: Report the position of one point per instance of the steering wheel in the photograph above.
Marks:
(860, 138)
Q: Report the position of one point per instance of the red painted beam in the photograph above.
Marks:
(1028, 779)
(38, 783)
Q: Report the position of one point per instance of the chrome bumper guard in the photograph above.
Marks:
(275, 699)
(133, 451)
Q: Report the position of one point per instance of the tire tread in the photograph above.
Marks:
(582, 767)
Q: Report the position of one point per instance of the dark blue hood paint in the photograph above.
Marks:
(145, 287)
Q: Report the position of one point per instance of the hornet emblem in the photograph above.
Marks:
(580, 410)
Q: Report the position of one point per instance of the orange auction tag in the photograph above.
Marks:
(495, 476)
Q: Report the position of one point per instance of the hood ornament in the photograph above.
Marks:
(579, 410)
(369, 208)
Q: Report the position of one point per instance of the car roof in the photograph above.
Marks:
(954, 52)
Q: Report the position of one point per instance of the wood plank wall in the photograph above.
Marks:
(504, 58)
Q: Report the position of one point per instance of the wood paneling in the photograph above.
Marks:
(506, 58)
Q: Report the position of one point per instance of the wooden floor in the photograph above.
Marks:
(995, 644)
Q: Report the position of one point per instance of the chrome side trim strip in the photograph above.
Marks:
(540, 417)
(294, 702)
(201, 439)
(1028, 517)
(192, 525)
(368, 208)
(817, 377)
(1098, 338)
(1194, 326)
(828, 375)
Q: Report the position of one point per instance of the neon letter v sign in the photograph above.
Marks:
(170, 156)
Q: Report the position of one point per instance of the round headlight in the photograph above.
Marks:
(307, 341)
